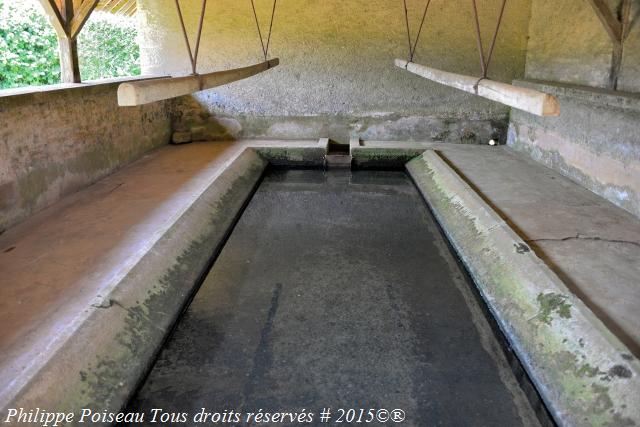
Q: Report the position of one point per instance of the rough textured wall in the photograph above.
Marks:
(595, 141)
(337, 75)
(53, 143)
(567, 43)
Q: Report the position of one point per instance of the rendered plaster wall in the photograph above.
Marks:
(595, 141)
(337, 77)
(55, 142)
(567, 43)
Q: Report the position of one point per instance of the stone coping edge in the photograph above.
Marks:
(584, 374)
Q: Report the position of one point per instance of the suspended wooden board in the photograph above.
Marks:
(532, 101)
(146, 91)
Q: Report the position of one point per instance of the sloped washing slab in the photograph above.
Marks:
(91, 286)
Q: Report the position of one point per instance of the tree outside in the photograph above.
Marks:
(107, 46)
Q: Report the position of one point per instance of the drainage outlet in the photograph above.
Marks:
(338, 156)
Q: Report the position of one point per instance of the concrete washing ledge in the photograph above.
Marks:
(610, 98)
(93, 352)
(585, 375)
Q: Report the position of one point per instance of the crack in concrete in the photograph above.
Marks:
(580, 237)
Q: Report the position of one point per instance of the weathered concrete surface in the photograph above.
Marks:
(591, 244)
(567, 43)
(383, 127)
(584, 373)
(53, 143)
(385, 155)
(595, 141)
(337, 290)
(292, 156)
(337, 76)
(90, 286)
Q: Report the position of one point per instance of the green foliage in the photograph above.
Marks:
(29, 48)
(107, 47)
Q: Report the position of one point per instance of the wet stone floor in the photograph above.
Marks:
(335, 290)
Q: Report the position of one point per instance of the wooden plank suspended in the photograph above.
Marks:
(146, 91)
(532, 101)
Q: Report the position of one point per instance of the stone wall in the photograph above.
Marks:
(55, 142)
(337, 76)
(595, 141)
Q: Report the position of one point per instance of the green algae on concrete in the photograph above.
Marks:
(382, 157)
(293, 156)
(559, 341)
(552, 303)
(112, 346)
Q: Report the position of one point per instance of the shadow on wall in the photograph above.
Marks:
(74, 137)
(195, 121)
(337, 76)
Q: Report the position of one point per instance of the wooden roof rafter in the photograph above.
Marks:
(617, 26)
(118, 7)
(68, 17)
(609, 21)
(81, 16)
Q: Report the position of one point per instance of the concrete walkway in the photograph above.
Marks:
(591, 244)
(88, 285)
(585, 375)
(60, 267)
(336, 289)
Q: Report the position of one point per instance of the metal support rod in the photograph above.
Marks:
(184, 33)
(424, 16)
(484, 63)
(273, 14)
(255, 15)
(495, 36)
(193, 56)
(483, 66)
(406, 18)
(265, 47)
(413, 46)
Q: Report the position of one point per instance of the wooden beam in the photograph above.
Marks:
(67, 25)
(130, 10)
(53, 13)
(69, 68)
(119, 6)
(66, 10)
(532, 101)
(146, 91)
(81, 16)
(609, 21)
